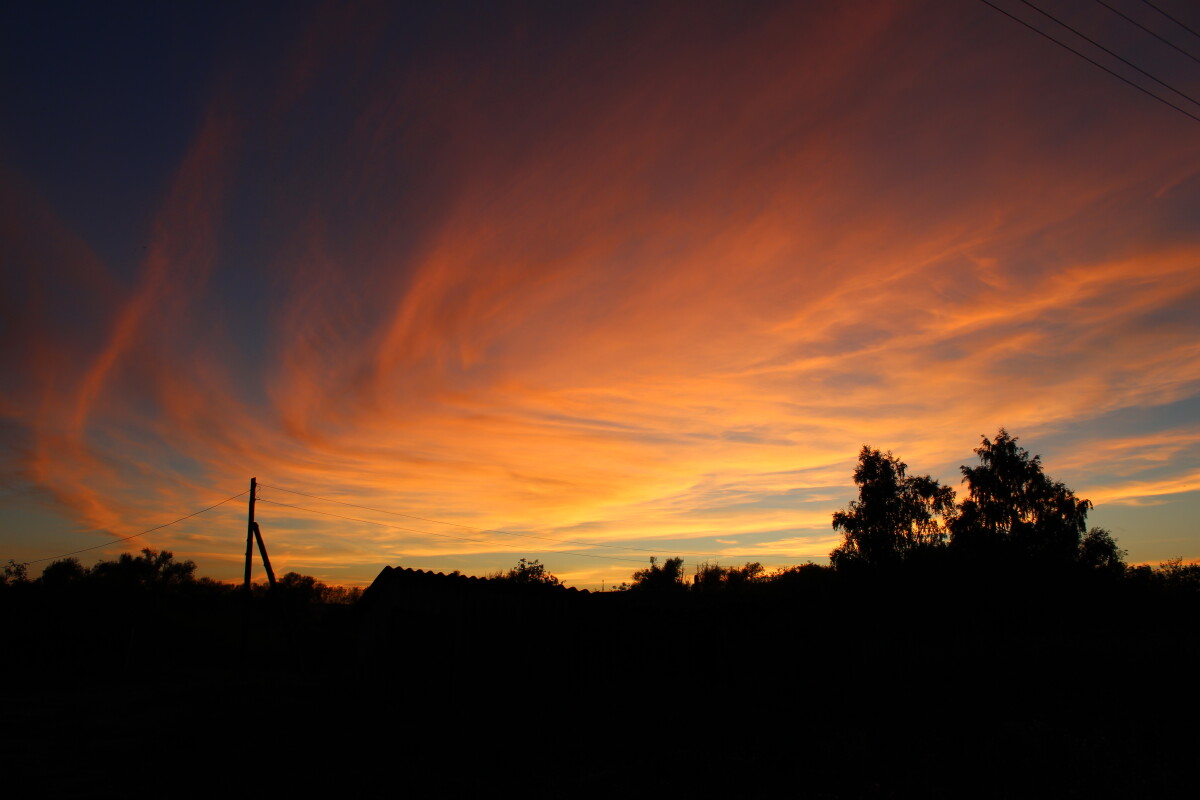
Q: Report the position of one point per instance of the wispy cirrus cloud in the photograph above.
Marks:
(654, 295)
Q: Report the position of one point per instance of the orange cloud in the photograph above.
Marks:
(645, 296)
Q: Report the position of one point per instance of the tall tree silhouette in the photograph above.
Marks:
(1013, 505)
(1099, 550)
(895, 514)
(667, 576)
(151, 568)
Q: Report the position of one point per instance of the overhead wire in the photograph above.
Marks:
(1091, 61)
(1155, 34)
(143, 533)
(514, 533)
(1117, 56)
(1168, 16)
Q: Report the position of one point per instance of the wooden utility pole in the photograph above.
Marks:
(253, 534)
(250, 526)
(262, 549)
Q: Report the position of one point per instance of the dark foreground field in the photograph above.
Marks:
(870, 687)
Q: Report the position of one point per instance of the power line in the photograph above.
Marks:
(143, 533)
(1124, 61)
(1140, 88)
(513, 533)
(1162, 39)
(1168, 16)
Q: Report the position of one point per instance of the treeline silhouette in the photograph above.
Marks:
(151, 612)
(157, 573)
(992, 646)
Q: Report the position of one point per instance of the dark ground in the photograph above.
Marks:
(866, 689)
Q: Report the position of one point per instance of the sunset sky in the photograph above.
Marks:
(640, 276)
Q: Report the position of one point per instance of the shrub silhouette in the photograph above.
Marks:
(527, 572)
(714, 577)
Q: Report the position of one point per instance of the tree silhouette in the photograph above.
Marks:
(15, 572)
(151, 568)
(1099, 550)
(1179, 577)
(665, 577)
(1013, 505)
(714, 577)
(63, 572)
(526, 572)
(895, 515)
(301, 589)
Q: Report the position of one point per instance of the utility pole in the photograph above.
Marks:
(254, 534)
(250, 526)
(262, 549)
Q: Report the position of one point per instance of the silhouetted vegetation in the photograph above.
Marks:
(664, 577)
(14, 572)
(992, 647)
(714, 577)
(159, 571)
(895, 516)
(528, 572)
(1014, 510)
(306, 589)
(1013, 515)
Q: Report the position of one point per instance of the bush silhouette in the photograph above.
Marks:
(528, 572)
